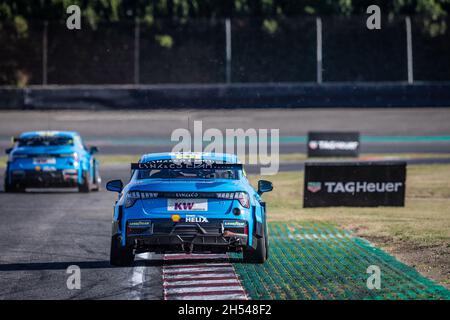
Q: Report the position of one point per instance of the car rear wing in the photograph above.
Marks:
(183, 164)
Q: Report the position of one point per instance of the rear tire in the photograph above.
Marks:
(120, 256)
(85, 187)
(9, 188)
(6, 186)
(261, 253)
(97, 182)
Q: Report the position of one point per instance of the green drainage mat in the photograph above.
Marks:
(320, 261)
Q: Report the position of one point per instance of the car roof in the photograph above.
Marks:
(48, 133)
(223, 157)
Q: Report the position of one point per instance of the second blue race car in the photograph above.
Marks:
(51, 159)
(189, 202)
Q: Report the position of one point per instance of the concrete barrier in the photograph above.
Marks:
(291, 95)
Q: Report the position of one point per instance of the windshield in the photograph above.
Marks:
(186, 173)
(45, 141)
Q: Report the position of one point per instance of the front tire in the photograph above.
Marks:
(261, 253)
(120, 256)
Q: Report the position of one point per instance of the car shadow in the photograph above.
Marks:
(43, 191)
(104, 264)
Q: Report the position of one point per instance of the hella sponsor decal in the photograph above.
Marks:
(187, 204)
(355, 187)
(194, 218)
(234, 224)
(333, 145)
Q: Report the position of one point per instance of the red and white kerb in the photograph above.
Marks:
(215, 280)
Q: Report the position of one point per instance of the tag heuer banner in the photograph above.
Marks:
(354, 184)
(333, 144)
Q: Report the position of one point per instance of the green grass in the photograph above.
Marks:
(425, 219)
(319, 261)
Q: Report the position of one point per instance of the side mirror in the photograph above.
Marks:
(8, 151)
(264, 186)
(14, 139)
(114, 185)
(93, 150)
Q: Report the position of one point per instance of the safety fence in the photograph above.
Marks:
(240, 50)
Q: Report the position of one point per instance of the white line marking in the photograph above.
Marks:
(195, 270)
(201, 282)
(198, 265)
(203, 289)
(210, 297)
(204, 275)
(193, 256)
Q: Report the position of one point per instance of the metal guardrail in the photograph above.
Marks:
(291, 95)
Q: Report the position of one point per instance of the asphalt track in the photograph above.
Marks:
(138, 132)
(43, 233)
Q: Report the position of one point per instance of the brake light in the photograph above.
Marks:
(13, 157)
(132, 196)
(242, 197)
(72, 155)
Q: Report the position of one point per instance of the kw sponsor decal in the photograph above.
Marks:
(184, 205)
(314, 187)
(194, 218)
(362, 186)
(187, 204)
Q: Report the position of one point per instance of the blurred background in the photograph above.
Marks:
(230, 41)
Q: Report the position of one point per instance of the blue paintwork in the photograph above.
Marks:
(84, 161)
(217, 208)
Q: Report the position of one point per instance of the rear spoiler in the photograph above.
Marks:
(183, 164)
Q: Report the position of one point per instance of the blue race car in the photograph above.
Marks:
(51, 159)
(188, 202)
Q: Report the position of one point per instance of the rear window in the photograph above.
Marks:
(187, 173)
(45, 141)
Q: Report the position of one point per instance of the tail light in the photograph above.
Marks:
(242, 197)
(13, 157)
(132, 196)
(72, 155)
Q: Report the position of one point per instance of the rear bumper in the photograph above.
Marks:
(42, 179)
(164, 236)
